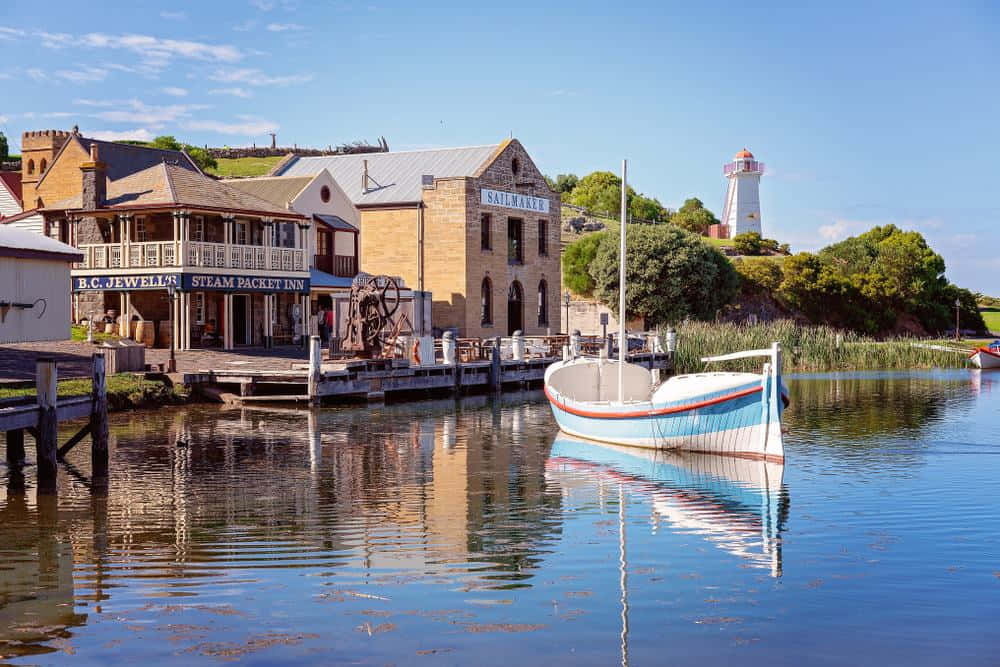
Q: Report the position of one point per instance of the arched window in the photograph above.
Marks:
(42, 166)
(31, 166)
(487, 293)
(543, 303)
(515, 308)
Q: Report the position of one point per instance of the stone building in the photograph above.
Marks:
(478, 227)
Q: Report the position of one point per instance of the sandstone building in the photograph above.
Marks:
(478, 227)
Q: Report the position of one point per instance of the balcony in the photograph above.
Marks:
(163, 254)
(343, 266)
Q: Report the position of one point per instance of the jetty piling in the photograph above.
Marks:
(47, 430)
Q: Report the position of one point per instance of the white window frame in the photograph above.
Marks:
(199, 307)
(199, 228)
(241, 233)
(140, 229)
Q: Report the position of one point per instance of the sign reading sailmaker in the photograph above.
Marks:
(513, 200)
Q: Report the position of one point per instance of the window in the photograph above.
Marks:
(31, 166)
(199, 228)
(323, 243)
(543, 238)
(515, 245)
(515, 166)
(199, 307)
(324, 194)
(543, 303)
(140, 229)
(487, 317)
(486, 232)
(241, 233)
(42, 166)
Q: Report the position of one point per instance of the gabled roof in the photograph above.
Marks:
(12, 181)
(393, 177)
(278, 190)
(170, 185)
(25, 243)
(125, 159)
(335, 222)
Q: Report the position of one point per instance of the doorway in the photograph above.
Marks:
(515, 308)
(241, 319)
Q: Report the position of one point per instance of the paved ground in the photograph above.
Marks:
(17, 362)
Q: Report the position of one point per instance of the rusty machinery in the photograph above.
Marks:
(371, 331)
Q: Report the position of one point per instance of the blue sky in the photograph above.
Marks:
(864, 113)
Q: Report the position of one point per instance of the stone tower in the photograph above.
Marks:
(742, 211)
(38, 148)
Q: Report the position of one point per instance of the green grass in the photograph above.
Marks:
(809, 348)
(244, 167)
(125, 390)
(78, 333)
(992, 318)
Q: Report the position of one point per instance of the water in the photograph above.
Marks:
(418, 533)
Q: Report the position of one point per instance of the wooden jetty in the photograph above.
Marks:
(40, 417)
(379, 379)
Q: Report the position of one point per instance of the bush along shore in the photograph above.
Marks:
(126, 391)
(805, 348)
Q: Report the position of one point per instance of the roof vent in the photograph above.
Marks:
(427, 180)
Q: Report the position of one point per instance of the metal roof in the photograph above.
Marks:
(319, 278)
(14, 240)
(335, 222)
(393, 177)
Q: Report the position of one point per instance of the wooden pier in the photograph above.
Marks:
(381, 379)
(40, 417)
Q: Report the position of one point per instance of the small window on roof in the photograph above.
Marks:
(324, 194)
(515, 166)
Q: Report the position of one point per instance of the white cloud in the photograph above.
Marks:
(836, 231)
(247, 25)
(173, 16)
(36, 74)
(235, 92)
(92, 103)
(175, 91)
(11, 33)
(247, 126)
(135, 111)
(283, 27)
(5, 75)
(3, 119)
(263, 5)
(84, 74)
(254, 77)
(58, 114)
(140, 134)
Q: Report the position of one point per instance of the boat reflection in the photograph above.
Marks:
(736, 504)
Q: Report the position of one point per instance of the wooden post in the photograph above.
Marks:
(46, 445)
(15, 448)
(99, 420)
(496, 368)
(315, 359)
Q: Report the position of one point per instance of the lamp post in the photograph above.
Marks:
(958, 305)
(171, 295)
(566, 302)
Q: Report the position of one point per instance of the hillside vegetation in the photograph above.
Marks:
(243, 167)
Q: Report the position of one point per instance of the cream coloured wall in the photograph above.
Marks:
(24, 281)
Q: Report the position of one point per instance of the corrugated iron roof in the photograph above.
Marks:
(278, 190)
(335, 222)
(319, 278)
(13, 239)
(393, 177)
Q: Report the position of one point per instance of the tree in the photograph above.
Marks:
(576, 260)
(566, 182)
(694, 217)
(4, 148)
(200, 156)
(671, 274)
(762, 275)
(599, 192)
(748, 243)
(646, 209)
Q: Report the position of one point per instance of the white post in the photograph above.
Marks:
(517, 346)
(448, 348)
(565, 351)
(315, 365)
(574, 344)
(622, 342)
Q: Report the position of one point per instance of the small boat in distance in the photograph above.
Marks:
(987, 356)
(614, 401)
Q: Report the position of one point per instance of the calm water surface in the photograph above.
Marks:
(423, 533)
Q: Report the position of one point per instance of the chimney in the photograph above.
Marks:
(94, 192)
(364, 177)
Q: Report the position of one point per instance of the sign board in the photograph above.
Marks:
(193, 282)
(513, 200)
(604, 319)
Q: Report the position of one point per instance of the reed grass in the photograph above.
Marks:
(805, 348)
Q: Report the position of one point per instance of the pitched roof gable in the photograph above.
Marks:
(12, 181)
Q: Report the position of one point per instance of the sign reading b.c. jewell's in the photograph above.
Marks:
(513, 200)
(194, 282)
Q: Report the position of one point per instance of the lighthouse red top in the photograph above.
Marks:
(743, 153)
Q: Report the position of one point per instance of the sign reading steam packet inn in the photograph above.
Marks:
(514, 200)
(196, 282)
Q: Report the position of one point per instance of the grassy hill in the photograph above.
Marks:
(992, 318)
(244, 167)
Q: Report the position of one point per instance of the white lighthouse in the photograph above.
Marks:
(742, 211)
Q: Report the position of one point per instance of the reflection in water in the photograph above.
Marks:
(736, 504)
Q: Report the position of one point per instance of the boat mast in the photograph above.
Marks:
(622, 343)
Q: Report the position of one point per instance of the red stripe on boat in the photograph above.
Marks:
(987, 351)
(652, 413)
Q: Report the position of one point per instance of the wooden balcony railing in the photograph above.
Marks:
(195, 254)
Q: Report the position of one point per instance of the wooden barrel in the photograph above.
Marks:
(166, 333)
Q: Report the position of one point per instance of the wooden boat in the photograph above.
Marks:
(735, 504)
(738, 414)
(987, 356)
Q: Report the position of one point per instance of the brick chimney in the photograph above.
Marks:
(94, 193)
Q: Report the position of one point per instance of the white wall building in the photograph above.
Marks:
(742, 211)
(35, 286)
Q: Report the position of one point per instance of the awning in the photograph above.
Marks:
(335, 222)
(327, 281)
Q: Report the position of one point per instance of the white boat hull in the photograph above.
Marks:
(985, 359)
